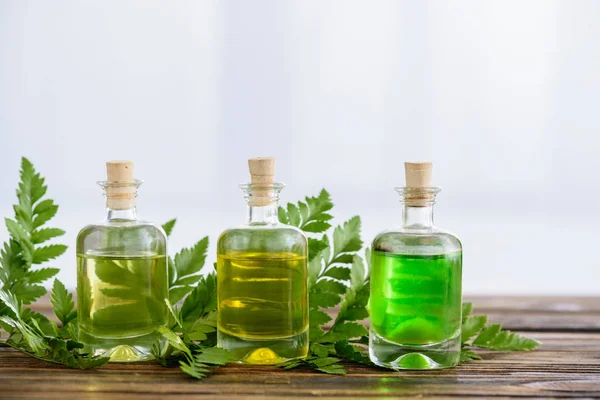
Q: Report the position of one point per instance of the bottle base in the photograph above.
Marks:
(122, 349)
(268, 351)
(439, 355)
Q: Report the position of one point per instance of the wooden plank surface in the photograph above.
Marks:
(566, 365)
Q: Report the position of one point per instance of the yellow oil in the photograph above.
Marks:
(121, 303)
(263, 306)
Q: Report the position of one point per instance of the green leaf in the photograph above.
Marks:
(343, 259)
(355, 301)
(45, 213)
(27, 293)
(197, 371)
(318, 318)
(327, 285)
(341, 273)
(467, 355)
(325, 361)
(293, 214)
(335, 369)
(346, 238)
(352, 353)
(314, 269)
(199, 365)
(186, 263)
(31, 332)
(316, 227)
(311, 216)
(32, 340)
(16, 231)
(315, 246)
(472, 326)
(344, 331)
(13, 266)
(214, 356)
(168, 226)
(467, 309)
(357, 273)
(171, 270)
(42, 254)
(282, 215)
(487, 334)
(323, 299)
(202, 300)
(41, 275)
(189, 281)
(354, 312)
(317, 207)
(304, 211)
(174, 340)
(174, 313)
(62, 303)
(494, 338)
(92, 362)
(11, 301)
(46, 327)
(32, 184)
(198, 332)
(319, 350)
(45, 234)
(178, 293)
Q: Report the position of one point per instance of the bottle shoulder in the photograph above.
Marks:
(267, 238)
(124, 236)
(264, 230)
(105, 226)
(417, 241)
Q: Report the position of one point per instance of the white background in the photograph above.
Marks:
(503, 97)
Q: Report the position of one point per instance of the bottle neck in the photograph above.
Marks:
(417, 217)
(129, 214)
(120, 200)
(262, 215)
(263, 202)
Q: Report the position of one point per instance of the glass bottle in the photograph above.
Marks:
(121, 275)
(416, 285)
(262, 279)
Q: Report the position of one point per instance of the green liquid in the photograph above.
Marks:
(263, 306)
(416, 299)
(121, 303)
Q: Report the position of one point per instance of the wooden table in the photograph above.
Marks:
(566, 365)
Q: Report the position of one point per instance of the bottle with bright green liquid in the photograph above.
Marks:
(122, 278)
(416, 285)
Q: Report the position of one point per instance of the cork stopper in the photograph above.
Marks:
(262, 172)
(120, 187)
(418, 176)
(119, 171)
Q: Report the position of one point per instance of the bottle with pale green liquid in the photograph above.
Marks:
(416, 285)
(122, 279)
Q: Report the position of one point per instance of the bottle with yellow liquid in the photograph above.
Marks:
(121, 275)
(262, 279)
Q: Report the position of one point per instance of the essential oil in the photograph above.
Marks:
(262, 281)
(122, 278)
(416, 298)
(121, 296)
(416, 286)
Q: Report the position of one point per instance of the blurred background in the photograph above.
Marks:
(503, 97)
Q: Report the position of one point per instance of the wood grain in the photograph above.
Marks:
(566, 365)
